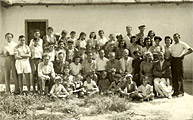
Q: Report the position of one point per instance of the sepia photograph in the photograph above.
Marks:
(96, 59)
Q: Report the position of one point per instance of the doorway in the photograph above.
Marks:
(31, 25)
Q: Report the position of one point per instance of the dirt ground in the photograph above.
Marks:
(160, 109)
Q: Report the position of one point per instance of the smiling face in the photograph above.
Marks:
(9, 37)
(157, 41)
(176, 38)
(37, 34)
(22, 41)
(46, 60)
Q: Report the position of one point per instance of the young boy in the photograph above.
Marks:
(103, 83)
(90, 86)
(22, 54)
(71, 51)
(58, 90)
(145, 91)
(36, 56)
(78, 86)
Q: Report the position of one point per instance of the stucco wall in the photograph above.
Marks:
(164, 19)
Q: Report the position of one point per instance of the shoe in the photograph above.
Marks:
(174, 94)
(180, 95)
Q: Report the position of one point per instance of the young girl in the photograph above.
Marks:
(103, 83)
(75, 66)
(22, 53)
(92, 39)
(61, 48)
(58, 90)
(81, 42)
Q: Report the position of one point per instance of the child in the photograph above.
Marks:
(58, 90)
(68, 81)
(90, 86)
(75, 66)
(36, 56)
(78, 86)
(22, 53)
(145, 91)
(61, 48)
(113, 88)
(81, 42)
(103, 83)
(71, 51)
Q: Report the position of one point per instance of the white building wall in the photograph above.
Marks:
(164, 19)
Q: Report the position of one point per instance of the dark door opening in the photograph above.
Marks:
(31, 25)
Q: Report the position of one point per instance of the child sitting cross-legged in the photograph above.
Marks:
(145, 91)
(90, 86)
(103, 83)
(115, 85)
(58, 90)
(78, 86)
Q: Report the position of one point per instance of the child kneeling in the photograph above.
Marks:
(58, 90)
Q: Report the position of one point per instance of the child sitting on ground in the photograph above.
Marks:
(58, 90)
(68, 81)
(90, 86)
(78, 86)
(113, 88)
(103, 83)
(145, 91)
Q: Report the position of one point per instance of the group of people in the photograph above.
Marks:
(134, 66)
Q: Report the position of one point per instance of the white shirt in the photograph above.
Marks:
(89, 86)
(9, 47)
(36, 52)
(177, 50)
(101, 64)
(40, 42)
(75, 69)
(45, 69)
(57, 89)
(101, 41)
(127, 39)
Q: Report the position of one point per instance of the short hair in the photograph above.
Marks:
(64, 32)
(119, 36)
(60, 41)
(36, 30)
(128, 26)
(157, 37)
(21, 36)
(9, 34)
(72, 32)
(77, 56)
(50, 28)
(46, 55)
(176, 34)
(60, 53)
(168, 37)
(150, 32)
(101, 31)
(70, 41)
(148, 38)
(92, 33)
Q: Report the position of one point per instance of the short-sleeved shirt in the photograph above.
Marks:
(146, 90)
(90, 85)
(9, 48)
(75, 69)
(57, 89)
(22, 50)
(101, 64)
(36, 52)
(101, 41)
(177, 50)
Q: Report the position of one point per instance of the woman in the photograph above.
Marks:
(92, 39)
(146, 67)
(134, 46)
(147, 44)
(120, 49)
(151, 35)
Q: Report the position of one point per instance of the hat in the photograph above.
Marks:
(129, 75)
(58, 78)
(117, 76)
(141, 26)
(157, 37)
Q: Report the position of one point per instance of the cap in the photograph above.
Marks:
(141, 26)
(157, 37)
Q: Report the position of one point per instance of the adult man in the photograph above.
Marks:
(141, 33)
(162, 74)
(178, 51)
(101, 62)
(36, 36)
(126, 63)
(101, 40)
(8, 52)
(46, 74)
(127, 37)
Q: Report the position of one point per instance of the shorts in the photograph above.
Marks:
(22, 66)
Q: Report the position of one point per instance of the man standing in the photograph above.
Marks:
(141, 33)
(178, 51)
(8, 52)
(127, 37)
